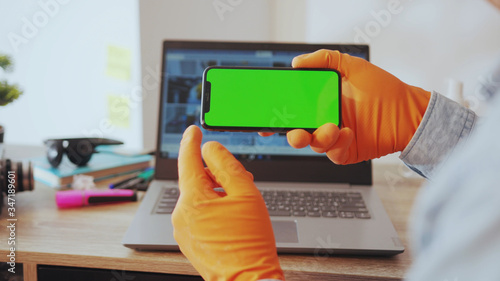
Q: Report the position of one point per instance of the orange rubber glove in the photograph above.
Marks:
(226, 235)
(380, 113)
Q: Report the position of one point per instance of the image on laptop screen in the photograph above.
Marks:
(181, 90)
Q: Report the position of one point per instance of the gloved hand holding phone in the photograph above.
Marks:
(226, 235)
(380, 113)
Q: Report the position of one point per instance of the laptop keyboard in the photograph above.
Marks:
(348, 205)
(167, 201)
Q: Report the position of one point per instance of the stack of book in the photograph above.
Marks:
(101, 166)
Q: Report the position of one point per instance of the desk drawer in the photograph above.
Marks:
(56, 273)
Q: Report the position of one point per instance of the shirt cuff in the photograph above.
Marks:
(444, 125)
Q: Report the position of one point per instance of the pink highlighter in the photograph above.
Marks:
(78, 198)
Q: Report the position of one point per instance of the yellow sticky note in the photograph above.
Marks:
(119, 111)
(119, 63)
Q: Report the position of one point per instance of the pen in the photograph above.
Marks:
(78, 198)
(137, 174)
(114, 185)
(143, 177)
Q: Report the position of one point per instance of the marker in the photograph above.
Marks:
(78, 198)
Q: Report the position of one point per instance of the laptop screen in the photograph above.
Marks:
(183, 66)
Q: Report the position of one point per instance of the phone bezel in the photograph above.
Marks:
(205, 102)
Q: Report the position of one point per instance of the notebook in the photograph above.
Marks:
(101, 166)
(316, 207)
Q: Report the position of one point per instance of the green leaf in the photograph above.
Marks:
(8, 93)
(5, 62)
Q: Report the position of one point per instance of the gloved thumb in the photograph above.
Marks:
(227, 171)
(323, 59)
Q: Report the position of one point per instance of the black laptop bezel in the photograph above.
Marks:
(280, 168)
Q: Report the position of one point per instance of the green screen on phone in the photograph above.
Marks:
(270, 98)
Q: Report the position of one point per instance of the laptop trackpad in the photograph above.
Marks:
(285, 231)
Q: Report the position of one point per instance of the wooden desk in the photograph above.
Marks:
(91, 238)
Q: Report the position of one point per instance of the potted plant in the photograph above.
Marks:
(8, 92)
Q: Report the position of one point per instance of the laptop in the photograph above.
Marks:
(316, 207)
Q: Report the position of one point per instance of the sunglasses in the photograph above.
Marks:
(79, 150)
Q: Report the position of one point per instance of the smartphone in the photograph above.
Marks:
(269, 99)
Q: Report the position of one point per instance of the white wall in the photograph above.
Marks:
(289, 20)
(61, 66)
(231, 20)
(424, 42)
